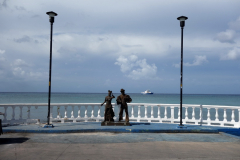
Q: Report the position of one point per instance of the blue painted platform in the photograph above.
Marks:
(135, 127)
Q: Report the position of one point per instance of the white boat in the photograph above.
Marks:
(147, 92)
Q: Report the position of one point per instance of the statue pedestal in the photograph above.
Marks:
(115, 124)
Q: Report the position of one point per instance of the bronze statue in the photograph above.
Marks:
(123, 99)
(109, 114)
(1, 132)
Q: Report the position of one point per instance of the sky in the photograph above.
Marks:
(101, 45)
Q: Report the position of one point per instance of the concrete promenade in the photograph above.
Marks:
(139, 141)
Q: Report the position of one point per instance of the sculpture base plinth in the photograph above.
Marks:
(115, 124)
(48, 126)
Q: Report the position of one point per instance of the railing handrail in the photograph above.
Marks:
(114, 104)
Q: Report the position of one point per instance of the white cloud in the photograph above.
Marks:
(232, 54)
(18, 71)
(126, 64)
(145, 71)
(19, 62)
(2, 51)
(226, 37)
(198, 60)
(107, 44)
(141, 70)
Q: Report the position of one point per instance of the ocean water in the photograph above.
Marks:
(206, 99)
(41, 112)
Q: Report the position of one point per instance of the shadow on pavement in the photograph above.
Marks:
(13, 140)
(140, 124)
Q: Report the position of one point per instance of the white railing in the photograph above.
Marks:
(211, 115)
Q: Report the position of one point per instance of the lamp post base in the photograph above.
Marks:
(182, 126)
(48, 126)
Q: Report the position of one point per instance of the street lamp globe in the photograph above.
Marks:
(182, 20)
(51, 14)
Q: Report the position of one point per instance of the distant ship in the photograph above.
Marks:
(147, 92)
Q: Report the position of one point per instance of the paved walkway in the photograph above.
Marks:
(104, 146)
(139, 141)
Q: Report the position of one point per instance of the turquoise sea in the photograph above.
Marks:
(41, 112)
(207, 99)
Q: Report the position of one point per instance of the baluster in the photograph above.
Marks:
(13, 112)
(5, 113)
(113, 108)
(165, 114)
(233, 116)
(65, 113)
(20, 114)
(72, 115)
(145, 111)
(172, 114)
(216, 115)
(132, 115)
(200, 116)
(51, 115)
(179, 113)
(139, 114)
(79, 116)
(238, 125)
(208, 116)
(29, 107)
(152, 112)
(193, 113)
(92, 115)
(99, 107)
(225, 116)
(159, 112)
(186, 113)
(86, 112)
(58, 112)
(118, 110)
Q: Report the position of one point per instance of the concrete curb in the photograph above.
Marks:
(134, 128)
(109, 130)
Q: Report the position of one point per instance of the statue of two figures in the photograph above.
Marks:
(122, 100)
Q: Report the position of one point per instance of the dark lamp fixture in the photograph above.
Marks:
(182, 20)
(51, 14)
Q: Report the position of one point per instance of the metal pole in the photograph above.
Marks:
(50, 68)
(181, 77)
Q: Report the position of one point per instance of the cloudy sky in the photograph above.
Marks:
(112, 44)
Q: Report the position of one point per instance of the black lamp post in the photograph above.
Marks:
(182, 24)
(51, 20)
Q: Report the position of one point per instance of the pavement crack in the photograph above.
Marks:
(15, 152)
(63, 151)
